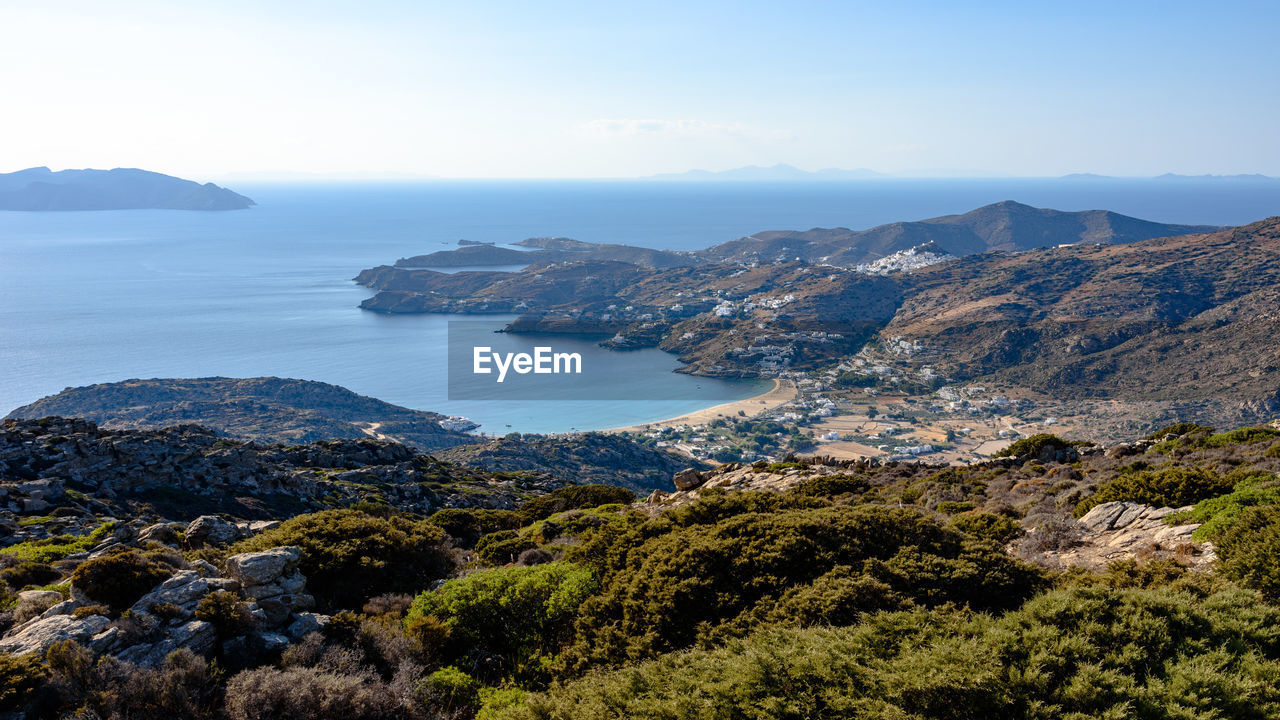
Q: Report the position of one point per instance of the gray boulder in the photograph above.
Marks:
(160, 533)
(305, 624)
(38, 635)
(687, 479)
(210, 530)
(262, 568)
(195, 635)
(40, 596)
(184, 590)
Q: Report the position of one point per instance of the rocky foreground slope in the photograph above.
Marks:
(187, 470)
(852, 580)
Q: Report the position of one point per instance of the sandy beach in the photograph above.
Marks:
(783, 392)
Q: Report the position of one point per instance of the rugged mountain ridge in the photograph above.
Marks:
(1006, 226)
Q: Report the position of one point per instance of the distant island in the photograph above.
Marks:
(770, 173)
(41, 189)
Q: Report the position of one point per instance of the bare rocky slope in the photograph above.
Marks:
(1191, 318)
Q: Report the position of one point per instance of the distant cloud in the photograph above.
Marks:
(633, 127)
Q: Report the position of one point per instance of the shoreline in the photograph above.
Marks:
(782, 392)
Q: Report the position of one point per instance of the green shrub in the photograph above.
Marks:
(1130, 573)
(47, 550)
(1219, 513)
(1179, 430)
(1034, 447)
(695, 576)
(28, 572)
(85, 611)
(467, 525)
(449, 692)
(832, 485)
(19, 675)
(503, 547)
(999, 529)
(1249, 550)
(349, 556)
(1077, 653)
(777, 467)
(1173, 487)
(573, 497)
(519, 614)
(226, 612)
(120, 579)
(495, 702)
(1242, 436)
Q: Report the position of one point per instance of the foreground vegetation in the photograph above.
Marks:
(880, 591)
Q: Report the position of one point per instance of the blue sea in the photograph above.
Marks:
(89, 297)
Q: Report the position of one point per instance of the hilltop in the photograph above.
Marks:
(1003, 227)
(41, 189)
(266, 409)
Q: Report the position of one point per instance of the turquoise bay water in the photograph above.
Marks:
(104, 296)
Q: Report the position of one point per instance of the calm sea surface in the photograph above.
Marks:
(104, 296)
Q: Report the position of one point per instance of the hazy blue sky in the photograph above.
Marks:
(592, 89)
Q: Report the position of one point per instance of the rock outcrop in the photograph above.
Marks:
(1118, 530)
(268, 583)
(35, 636)
(687, 479)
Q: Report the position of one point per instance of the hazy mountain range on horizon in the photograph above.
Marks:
(784, 173)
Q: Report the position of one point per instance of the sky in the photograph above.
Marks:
(378, 88)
